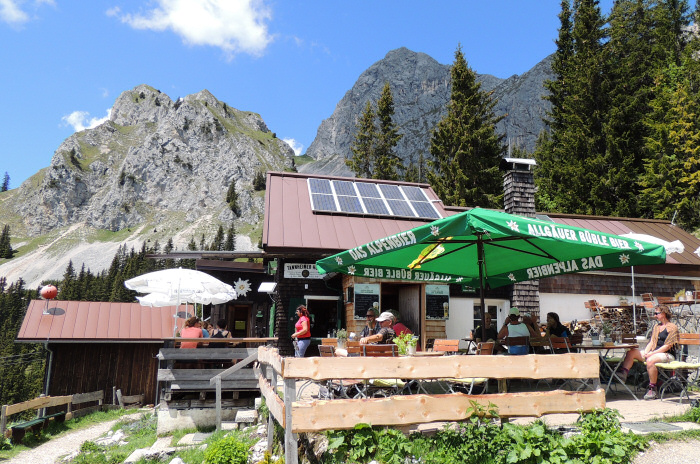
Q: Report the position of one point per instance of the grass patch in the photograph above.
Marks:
(302, 160)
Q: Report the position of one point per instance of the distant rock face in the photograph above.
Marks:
(421, 90)
(152, 159)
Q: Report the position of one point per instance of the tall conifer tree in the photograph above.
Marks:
(363, 146)
(386, 162)
(465, 148)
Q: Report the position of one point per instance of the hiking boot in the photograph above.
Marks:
(651, 394)
(622, 375)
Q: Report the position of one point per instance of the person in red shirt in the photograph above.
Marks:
(191, 330)
(302, 334)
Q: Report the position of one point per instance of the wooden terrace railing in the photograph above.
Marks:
(316, 415)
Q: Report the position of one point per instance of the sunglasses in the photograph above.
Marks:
(656, 314)
(371, 317)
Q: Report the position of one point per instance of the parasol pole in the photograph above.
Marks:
(480, 259)
(634, 305)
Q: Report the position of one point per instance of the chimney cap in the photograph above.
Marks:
(517, 164)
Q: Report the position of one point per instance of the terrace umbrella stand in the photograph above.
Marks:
(489, 249)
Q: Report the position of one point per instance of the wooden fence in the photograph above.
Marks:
(399, 410)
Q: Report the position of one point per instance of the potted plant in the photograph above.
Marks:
(342, 335)
(406, 343)
(623, 301)
(607, 329)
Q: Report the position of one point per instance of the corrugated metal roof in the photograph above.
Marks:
(290, 223)
(657, 228)
(96, 321)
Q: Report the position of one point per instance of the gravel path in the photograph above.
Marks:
(52, 450)
(674, 452)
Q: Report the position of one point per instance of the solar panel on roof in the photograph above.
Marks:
(400, 208)
(374, 198)
(368, 190)
(375, 206)
(425, 209)
(349, 204)
(320, 186)
(391, 191)
(321, 202)
(414, 193)
(343, 187)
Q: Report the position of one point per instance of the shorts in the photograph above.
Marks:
(666, 357)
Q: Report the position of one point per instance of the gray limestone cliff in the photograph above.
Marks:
(421, 90)
(154, 158)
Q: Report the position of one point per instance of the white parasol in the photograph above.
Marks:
(671, 247)
(171, 287)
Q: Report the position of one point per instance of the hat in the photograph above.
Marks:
(385, 316)
(514, 311)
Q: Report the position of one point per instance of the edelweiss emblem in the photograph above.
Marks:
(459, 279)
(351, 270)
(242, 286)
(512, 277)
(339, 260)
(513, 226)
(624, 259)
(639, 246)
(435, 230)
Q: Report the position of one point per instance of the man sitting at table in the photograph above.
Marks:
(385, 335)
(372, 325)
(514, 328)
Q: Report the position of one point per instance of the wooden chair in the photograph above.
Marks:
(559, 344)
(446, 346)
(467, 384)
(329, 342)
(326, 351)
(485, 348)
(354, 348)
(628, 338)
(389, 350)
(516, 341)
(686, 371)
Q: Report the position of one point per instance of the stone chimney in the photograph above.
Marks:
(519, 198)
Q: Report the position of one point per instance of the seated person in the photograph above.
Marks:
(555, 327)
(491, 334)
(660, 349)
(372, 325)
(515, 328)
(385, 335)
(192, 329)
(399, 327)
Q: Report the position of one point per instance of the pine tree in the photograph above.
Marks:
(386, 163)
(6, 250)
(5, 183)
(230, 243)
(67, 290)
(363, 146)
(259, 181)
(465, 147)
(571, 158)
(218, 243)
(232, 198)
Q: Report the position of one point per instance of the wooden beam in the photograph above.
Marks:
(271, 356)
(79, 398)
(416, 409)
(205, 354)
(37, 403)
(235, 368)
(205, 375)
(272, 399)
(554, 366)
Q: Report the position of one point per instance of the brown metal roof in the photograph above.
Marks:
(96, 321)
(657, 228)
(290, 223)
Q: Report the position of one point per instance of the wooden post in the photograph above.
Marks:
(270, 419)
(3, 420)
(119, 398)
(114, 396)
(218, 402)
(290, 438)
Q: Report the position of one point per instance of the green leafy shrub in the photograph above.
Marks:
(5, 443)
(228, 450)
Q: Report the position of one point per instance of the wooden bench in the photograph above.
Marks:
(17, 431)
(197, 380)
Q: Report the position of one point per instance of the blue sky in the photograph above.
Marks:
(65, 62)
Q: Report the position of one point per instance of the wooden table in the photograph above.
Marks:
(603, 351)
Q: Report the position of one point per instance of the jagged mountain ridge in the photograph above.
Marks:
(421, 90)
(157, 169)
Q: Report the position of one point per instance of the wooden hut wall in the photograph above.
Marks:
(87, 367)
(613, 285)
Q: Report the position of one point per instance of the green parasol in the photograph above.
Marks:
(487, 249)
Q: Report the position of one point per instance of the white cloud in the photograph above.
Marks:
(296, 146)
(11, 13)
(81, 120)
(235, 26)
(114, 11)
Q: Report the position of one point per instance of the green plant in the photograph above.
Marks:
(342, 334)
(405, 340)
(228, 450)
(607, 328)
